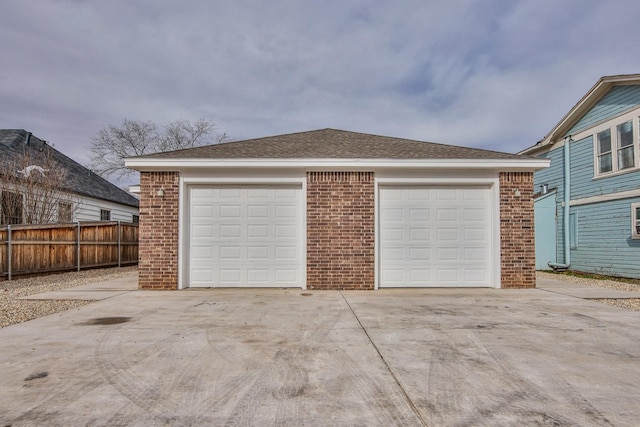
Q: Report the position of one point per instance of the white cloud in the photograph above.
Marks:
(494, 74)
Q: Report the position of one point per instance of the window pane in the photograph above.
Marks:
(11, 208)
(638, 214)
(625, 158)
(64, 212)
(605, 163)
(604, 141)
(625, 134)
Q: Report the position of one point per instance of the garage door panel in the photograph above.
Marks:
(419, 254)
(474, 254)
(475, 234)
(258, 211)
(230, 211)
(474, 214)
(447, 234)
(416, 194)
(419, 235)
(226, 231)
(286, 212)
(446, 195)
(446, 254)
(258, 252)
(393, 234)
(286, 231)
(444, 214)
(418, 276)
(245, 236)
(434, 236)
(475, 275)
(286, 253)
(257, 231)
(229, 252)
(392, 214)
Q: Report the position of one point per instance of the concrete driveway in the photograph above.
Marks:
(434, 357)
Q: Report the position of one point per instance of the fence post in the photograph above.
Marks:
(78, 240)
(119, 244)
(9, 251)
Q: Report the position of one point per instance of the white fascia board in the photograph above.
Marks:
(602, 86)
(152, 165)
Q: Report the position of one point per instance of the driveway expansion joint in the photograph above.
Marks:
(414, 408)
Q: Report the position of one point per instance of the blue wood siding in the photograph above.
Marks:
(582, 182)
(554, 177)
(545, 230)
(604, 243)
(618, 100)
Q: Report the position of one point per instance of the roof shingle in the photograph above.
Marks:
(81, 180)
(331, 144)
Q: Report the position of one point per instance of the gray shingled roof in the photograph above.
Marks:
(332, 144)
(82, 180)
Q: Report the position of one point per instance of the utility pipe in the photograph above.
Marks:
(565, 212)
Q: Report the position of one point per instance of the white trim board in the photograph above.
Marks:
(605, 198)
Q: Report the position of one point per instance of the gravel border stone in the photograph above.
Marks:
(604, 282)
(14, 310)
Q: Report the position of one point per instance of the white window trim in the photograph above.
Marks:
(613, 127)
(634, 223)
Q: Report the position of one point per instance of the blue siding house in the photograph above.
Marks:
(587, 206)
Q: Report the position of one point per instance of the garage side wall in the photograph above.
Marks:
(340, 230)
(158, 266)
(517, 247)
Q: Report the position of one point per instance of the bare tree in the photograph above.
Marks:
(133, 138)
(114, 143)
(182, 134)
(34, 190)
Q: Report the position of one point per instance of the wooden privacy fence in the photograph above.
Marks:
(41, 249)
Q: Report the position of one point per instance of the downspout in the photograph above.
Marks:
(565, 212)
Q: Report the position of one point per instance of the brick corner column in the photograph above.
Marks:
(158, 246)
(340, 230)
(517, 244)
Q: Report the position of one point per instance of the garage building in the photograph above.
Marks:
(332, 209)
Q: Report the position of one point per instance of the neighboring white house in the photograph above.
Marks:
(91, 197)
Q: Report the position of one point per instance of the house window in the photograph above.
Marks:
(64, 212)
(105, 215)
(635, 221)
(604, 151)
(615, 148)
(625, 145)
(136, 219)
(11, 208)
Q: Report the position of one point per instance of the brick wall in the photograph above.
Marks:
(158, 266)
(340, 230)
(517, 245)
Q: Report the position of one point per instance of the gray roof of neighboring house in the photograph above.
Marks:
(332, 144)
(13, 143)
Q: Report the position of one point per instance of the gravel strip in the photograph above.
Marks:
(14, 310)
(627, 303)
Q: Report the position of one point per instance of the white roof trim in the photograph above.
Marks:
(155, 164)
(588, 100)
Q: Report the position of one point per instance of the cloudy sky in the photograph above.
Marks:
(495, 74)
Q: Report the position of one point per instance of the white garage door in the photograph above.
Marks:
(245, 236)
(435, 236)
